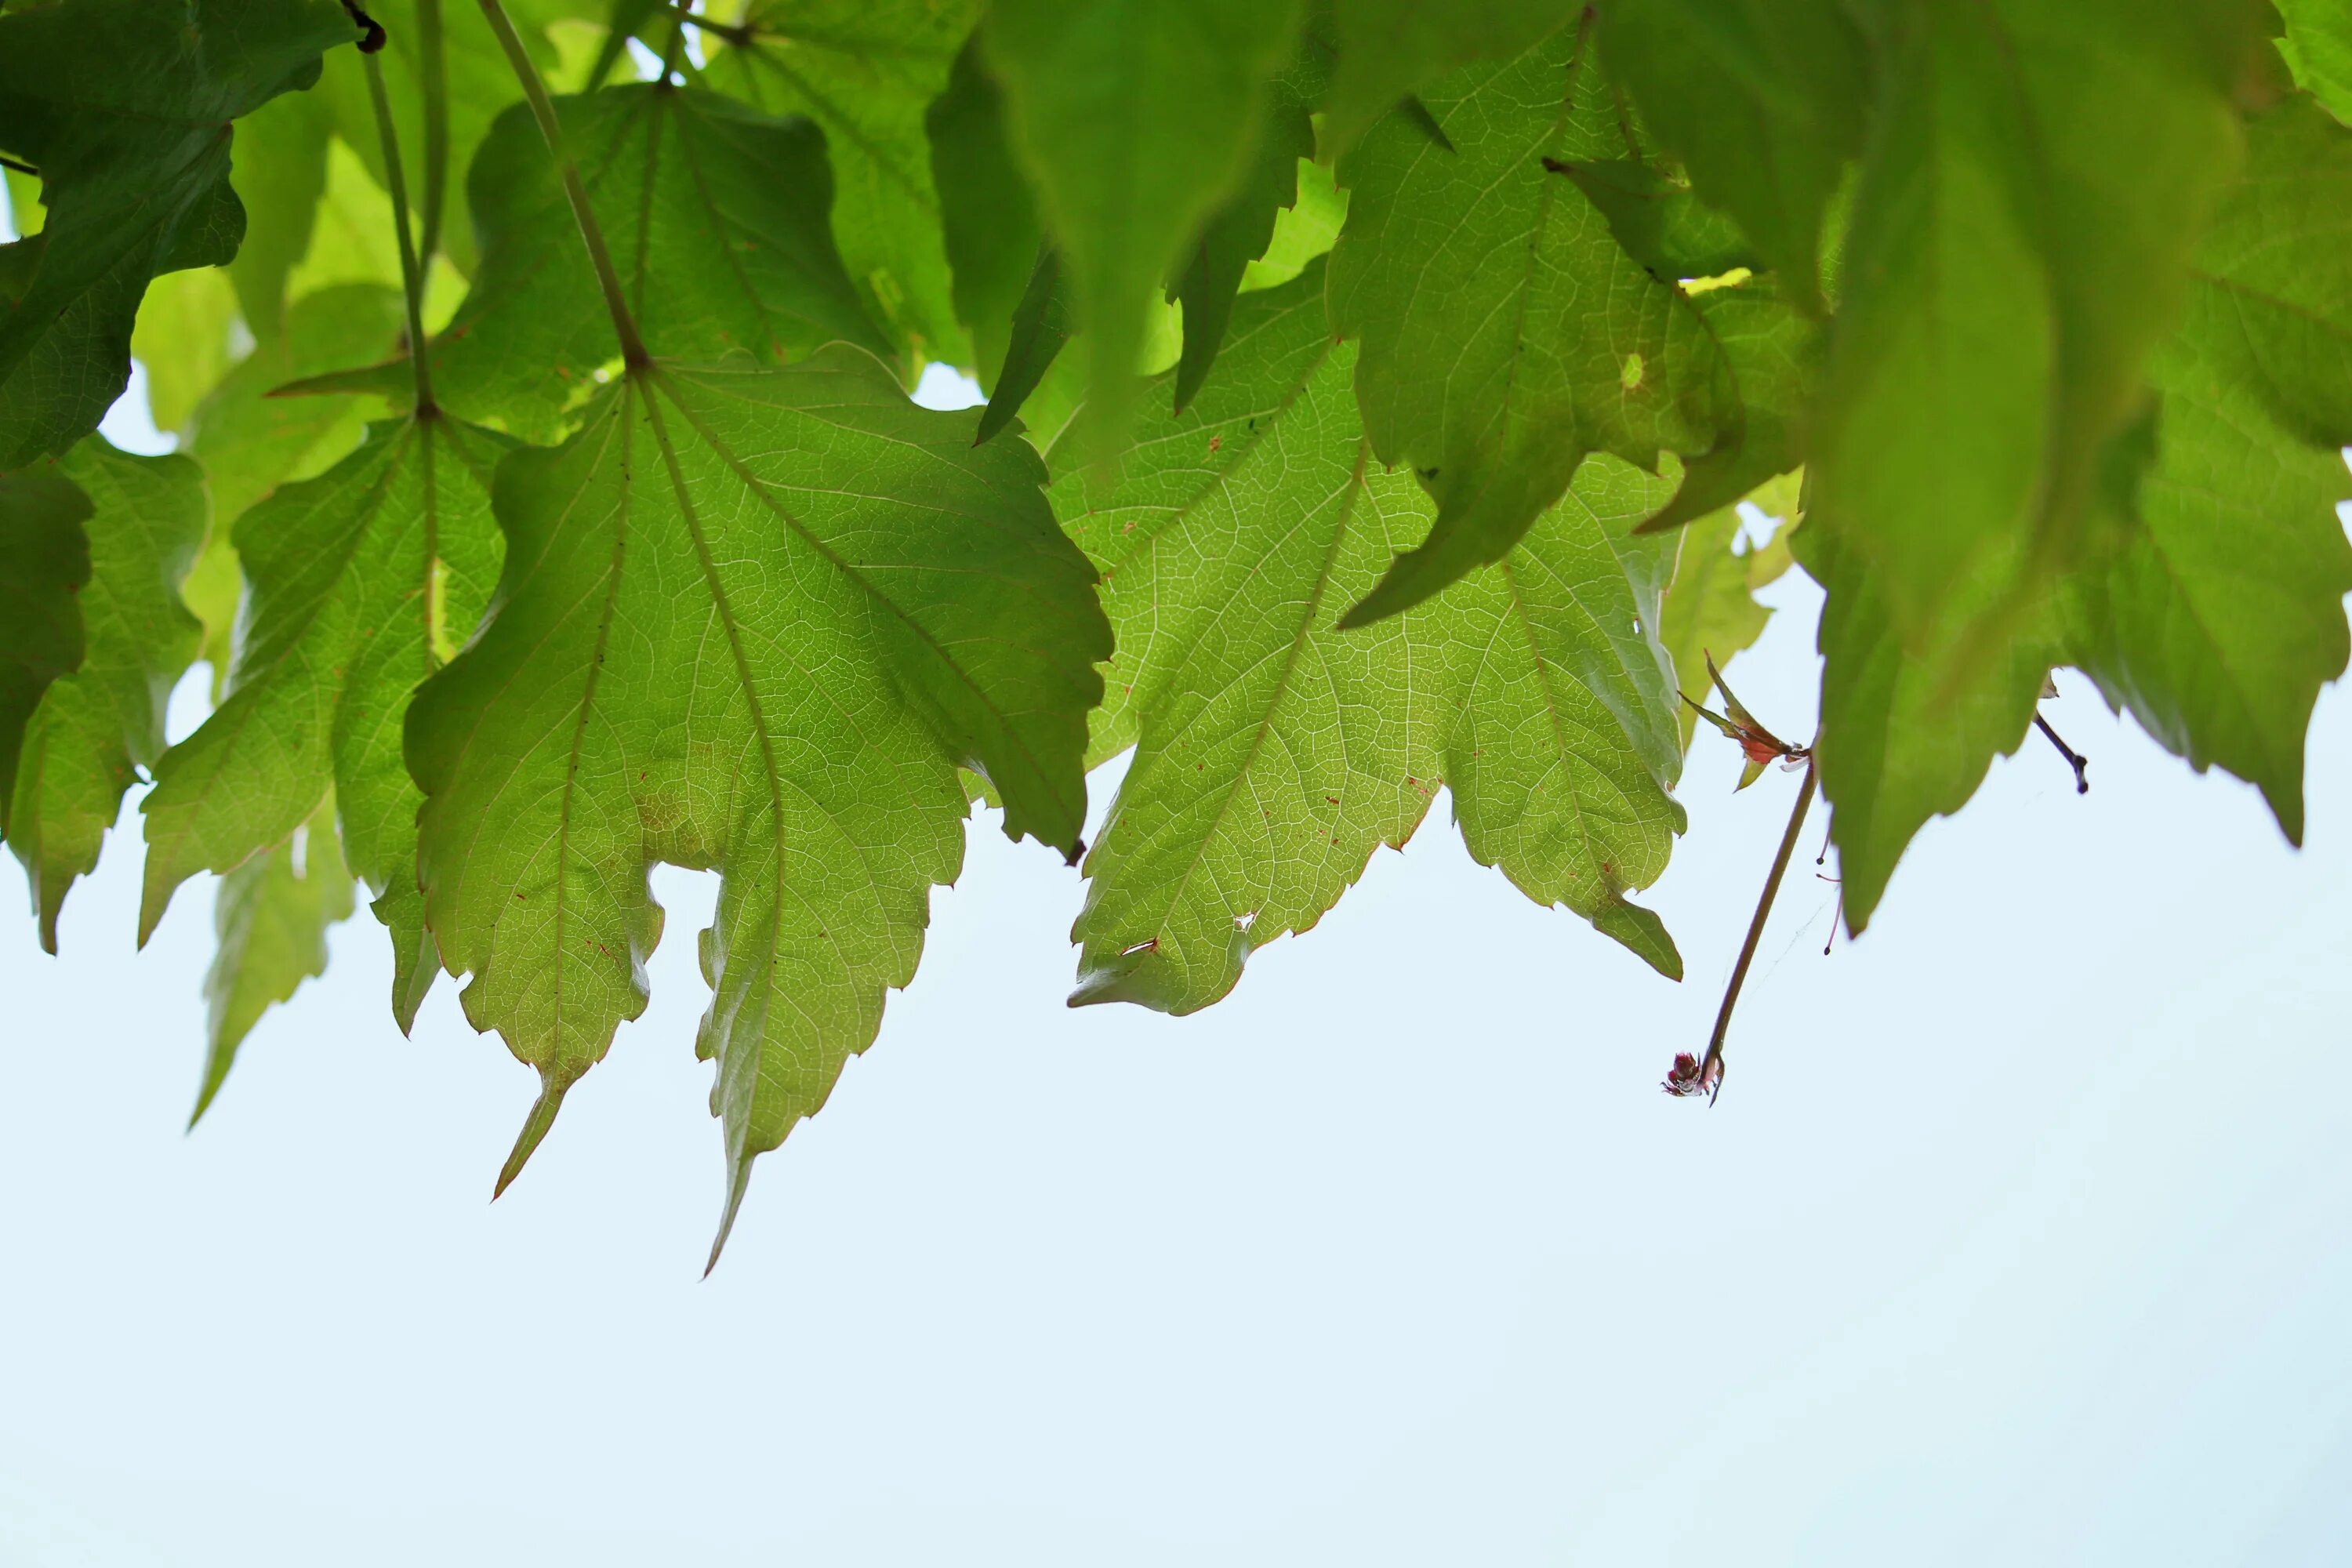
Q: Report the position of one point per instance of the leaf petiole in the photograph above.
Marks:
(542, 109)
(1710, 1070)
(412, 280)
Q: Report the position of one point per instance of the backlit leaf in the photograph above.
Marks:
(750, 620)
(95, 728)
(362, 580)
(1276, 751)
(714, 214)
(1505, 334)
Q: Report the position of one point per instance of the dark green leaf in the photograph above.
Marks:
(1764, 100)
(750, 620)
(1236, 235)
(1660, 223)
(987, 219)
(124, 106)
(1505, 334)
(44, 566)
(1041, 325)
(96, 726)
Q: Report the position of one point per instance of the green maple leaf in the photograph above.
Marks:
(1764, 102)
(2021, 241)
(755, 621)
(987, 220)
(271, 920)
(249, 442)
(866, 71)
(362, 580)
(279, 174)
(714, 214)
(44, 566)
(2224, 615)
(95, 728)
(1386, 48)
(1136, 120)
(1505, 332)
(1276, 751)
(124, 106)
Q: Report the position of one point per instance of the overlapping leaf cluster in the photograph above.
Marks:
(592, 526)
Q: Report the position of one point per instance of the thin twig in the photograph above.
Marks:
(22, 168)
(624, 325)
(2074, 759)
(1709, 1067)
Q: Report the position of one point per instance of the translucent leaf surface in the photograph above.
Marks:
(866, 71)
(714, 214)
(754, 621)
(1276, 751)
(362, 582)
(44, 566)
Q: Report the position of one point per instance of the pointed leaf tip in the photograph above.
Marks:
(738, 1178)
(534, 1129)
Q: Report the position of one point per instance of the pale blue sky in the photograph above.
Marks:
(2019, 1236)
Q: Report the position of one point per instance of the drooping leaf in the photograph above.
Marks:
(750, 620)
(1388, 48)
(2021, 240)
(714, 214)
(1764, 102)
(1276, 751)
(1908, 732)
(1660, 222)
(1236, 235)
(1135, 120)
(271, 920)
(44, 566)
(1041, 326)
(2224, 614)
(363, 581)
(1505, 334)
(866, 71)
(986, 218)
(96, 726)
(125, 108)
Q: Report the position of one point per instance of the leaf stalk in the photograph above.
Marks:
(542, 109)
(432, 75)
(412, 279)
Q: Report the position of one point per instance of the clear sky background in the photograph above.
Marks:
(2020, 1233)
